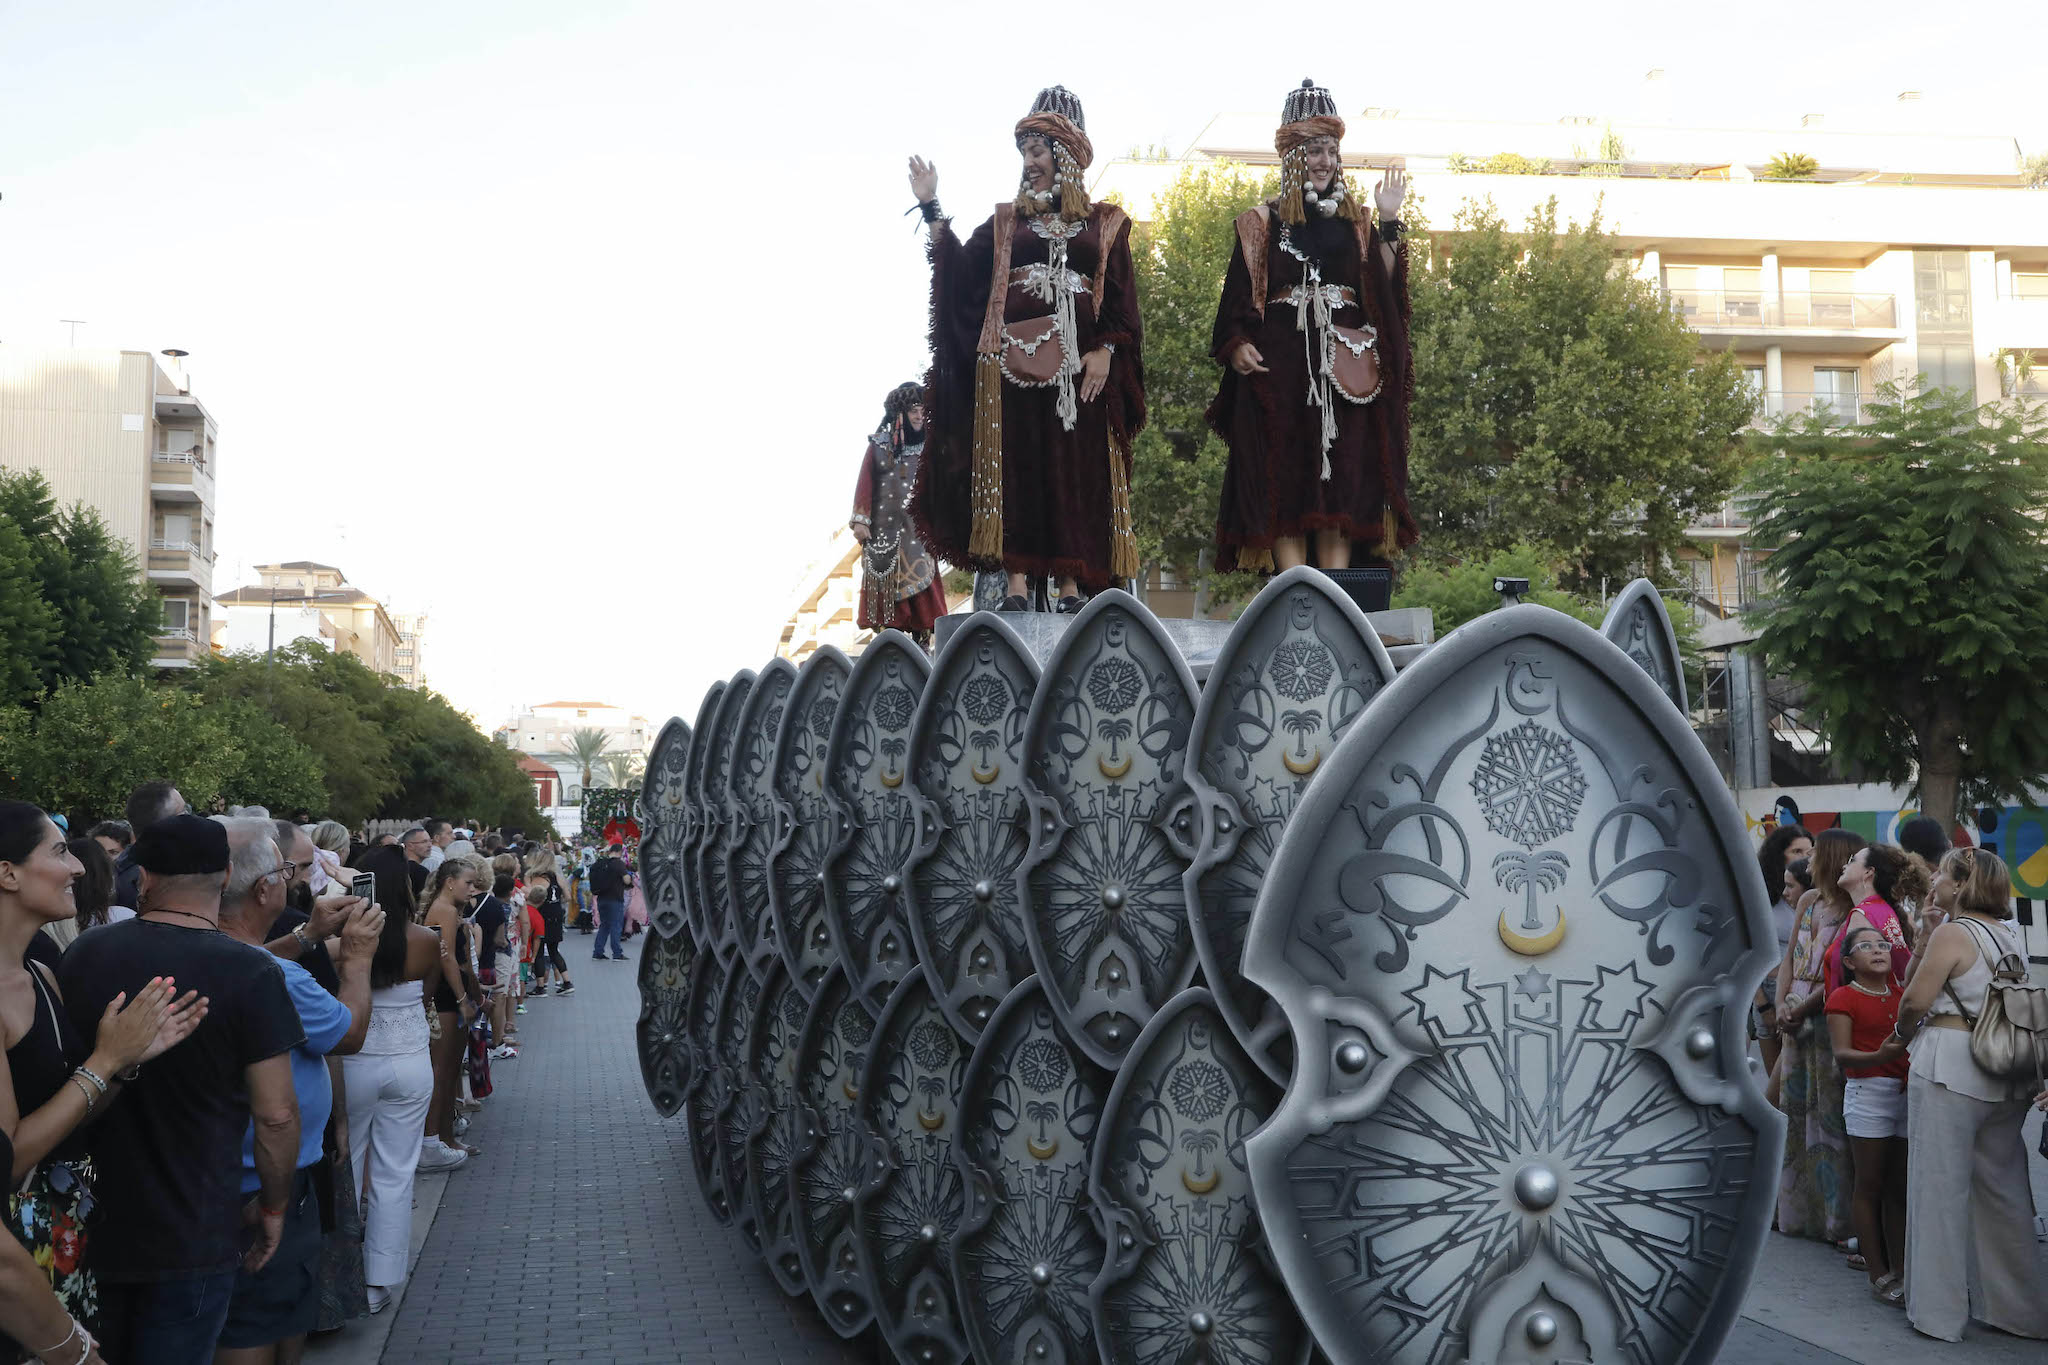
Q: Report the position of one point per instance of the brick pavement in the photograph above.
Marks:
(579, 1234)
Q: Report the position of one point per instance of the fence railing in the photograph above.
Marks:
(1751, 308)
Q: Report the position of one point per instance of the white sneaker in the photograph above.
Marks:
(436, 1155)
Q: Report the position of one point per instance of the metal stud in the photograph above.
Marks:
(1699, 1044)
(1542, 1329)
(1352, 1057)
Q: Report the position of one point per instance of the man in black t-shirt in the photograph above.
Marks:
(169, 1155)
(608, 882)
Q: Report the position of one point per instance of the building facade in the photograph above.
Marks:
(121, 432)
(410, 658)
(301, 600)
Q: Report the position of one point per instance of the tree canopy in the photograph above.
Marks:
(1908, 594)
(1559, 403)
(87, 582)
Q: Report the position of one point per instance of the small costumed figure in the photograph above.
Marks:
(1312, 332)
(899, 582)
(1037, 385)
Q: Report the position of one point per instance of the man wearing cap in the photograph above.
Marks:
(173, 1226)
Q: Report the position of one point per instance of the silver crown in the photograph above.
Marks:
(1308, 101)
(1057, 99)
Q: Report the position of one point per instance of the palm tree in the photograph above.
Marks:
(1201, 1141)
(1527, 873)
(1044, 1113)
(586, 747)
(892, 750)
(623, 770)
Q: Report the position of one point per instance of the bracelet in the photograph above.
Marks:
(299, 934)
(271, 1213)
(90, 1075)
(90, 1098)
(930, 209)
(77, 1330)
(1389, 230)
(132, 1074)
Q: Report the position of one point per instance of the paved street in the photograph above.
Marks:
(579, 1236)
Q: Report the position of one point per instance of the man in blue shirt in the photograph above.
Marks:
(274, 1307)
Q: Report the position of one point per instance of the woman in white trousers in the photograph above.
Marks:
(391, 1081)
(1970, 1248)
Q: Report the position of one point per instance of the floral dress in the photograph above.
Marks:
(1813, 1187)
(48, 1210)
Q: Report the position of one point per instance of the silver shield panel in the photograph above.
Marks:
(796, 862)
(827, 1164)
(750, 812)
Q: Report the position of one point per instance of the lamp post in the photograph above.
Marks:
(270, 650)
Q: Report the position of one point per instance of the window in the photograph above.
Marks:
(1742, 293)
(582, 715)
(1835, 392)
(177, 614)
(2029, 286)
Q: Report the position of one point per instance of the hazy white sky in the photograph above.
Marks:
(565, 322)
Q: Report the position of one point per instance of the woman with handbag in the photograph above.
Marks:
(1312, 332)
(1037, 388)
(1966, 1169)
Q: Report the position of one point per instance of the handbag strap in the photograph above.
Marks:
(1950, 984)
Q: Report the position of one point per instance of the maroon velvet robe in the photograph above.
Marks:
(1273, 484)
(1056, 483)
(899, 582)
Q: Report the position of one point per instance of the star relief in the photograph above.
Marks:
(1623, 992)
(1534, 984)
(1448, 1001)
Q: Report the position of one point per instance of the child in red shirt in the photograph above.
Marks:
(1862, 1019)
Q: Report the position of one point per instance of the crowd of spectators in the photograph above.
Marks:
(232, 1043)
(1901, 1148)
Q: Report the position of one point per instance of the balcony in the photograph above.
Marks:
(176, 647)
(1857, 323)
(1839, 409)
(2015, 323)
(180, 564)
(180, 478)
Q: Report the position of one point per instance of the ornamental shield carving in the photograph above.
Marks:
(664, 818)
(772, 1041)
(1515, 928)
(1640, 623)
(911, 1197)
(1299, 668)
(750, 813)
(868, 797)
(827, 1163)
(738, 1101)
(706, 1097)
(1112, 825)
(667, 964)
(715, 846)
(1186, 1276)
(697, 826)
(964, 903)
(796, 860)
(1030, 1242)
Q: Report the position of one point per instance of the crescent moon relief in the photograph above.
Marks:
(1535, 945)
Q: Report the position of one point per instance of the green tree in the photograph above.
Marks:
(1559, 402)
(1457, 592)
(1908, 597)
(28, 624)
(1179, 258)
(331, 701)
(624, 770)
(90, 581)
(586, 747)
(91, 743)
(446, 764)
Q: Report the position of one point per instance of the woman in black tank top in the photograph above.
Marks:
(449, 891)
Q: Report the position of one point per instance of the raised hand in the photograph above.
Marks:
(924, 179)
(1390, 191)
(128, 1027)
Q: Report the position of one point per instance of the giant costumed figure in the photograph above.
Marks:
(1037, 386)
(1312, 332)
(900, 586)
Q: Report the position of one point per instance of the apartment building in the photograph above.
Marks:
(122, 432)
(410, 658)
(301, 600)
(825, 604)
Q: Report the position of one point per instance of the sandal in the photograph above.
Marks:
(1890, 1290)
(1856, 1261)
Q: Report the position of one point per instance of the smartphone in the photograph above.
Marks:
(363, 886)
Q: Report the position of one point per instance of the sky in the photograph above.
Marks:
(566, 323)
